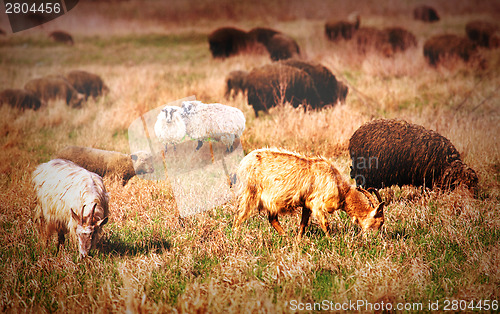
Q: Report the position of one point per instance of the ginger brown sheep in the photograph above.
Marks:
(395, 152)
(277, 182)
(109, 163)
(273, 84)
(441, 47)
(86, 83)
(20, 98)
(55, 87)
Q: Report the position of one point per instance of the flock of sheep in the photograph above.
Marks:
(71, 197)
(74, 88)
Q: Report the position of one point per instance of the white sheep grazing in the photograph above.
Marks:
(170, 127)
(62, 187)
(212, 121)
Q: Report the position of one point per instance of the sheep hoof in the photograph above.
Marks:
(200, 144)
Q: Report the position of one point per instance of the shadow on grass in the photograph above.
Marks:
(398, 235)
(122, 248)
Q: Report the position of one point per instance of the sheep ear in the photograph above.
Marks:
(134, 157)
(102, 222)
(379, 211)
(74, 215)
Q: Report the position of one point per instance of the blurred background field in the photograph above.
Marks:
(434, 246)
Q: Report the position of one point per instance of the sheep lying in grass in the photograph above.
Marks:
(277, 182)
(212, 121)
(395, 152)
(170, 127)
(114, 164)
(62, 187)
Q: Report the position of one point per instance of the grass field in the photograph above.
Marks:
(434, 247)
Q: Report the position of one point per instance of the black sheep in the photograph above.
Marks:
(335, 30)
(86, 83)
(425, 13)
(20, 98)
(326, 84)
(395, 152)
(440, 47)
(228, 41)
(282, 47)
(483, 33)
(276, 83)
(54, 87)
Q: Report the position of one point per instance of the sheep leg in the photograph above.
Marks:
(306, 214)
(166, 148)
(60, 241)
(273, 220)
(323, 222)
(211, 151)
(200, 144)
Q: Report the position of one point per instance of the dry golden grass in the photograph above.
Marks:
(434, 246)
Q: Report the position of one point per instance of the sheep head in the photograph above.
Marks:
(365, 210)
(142, 162)
(85, 229)
(457, 174)
(189, 107)
(171, 113)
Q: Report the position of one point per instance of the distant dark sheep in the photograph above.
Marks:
(395, 152)
(2, 32)
(440, 47)
(54, 87)
(20, 98)
(336, 30)
(62, 37)
(400, 39)
(483, 33)
(228, 41)
(86, 83)
(324, 80)
(425, 13)
(282, 47)
(262, 34)
(372, 39)
(273, 84)
(236, 82)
